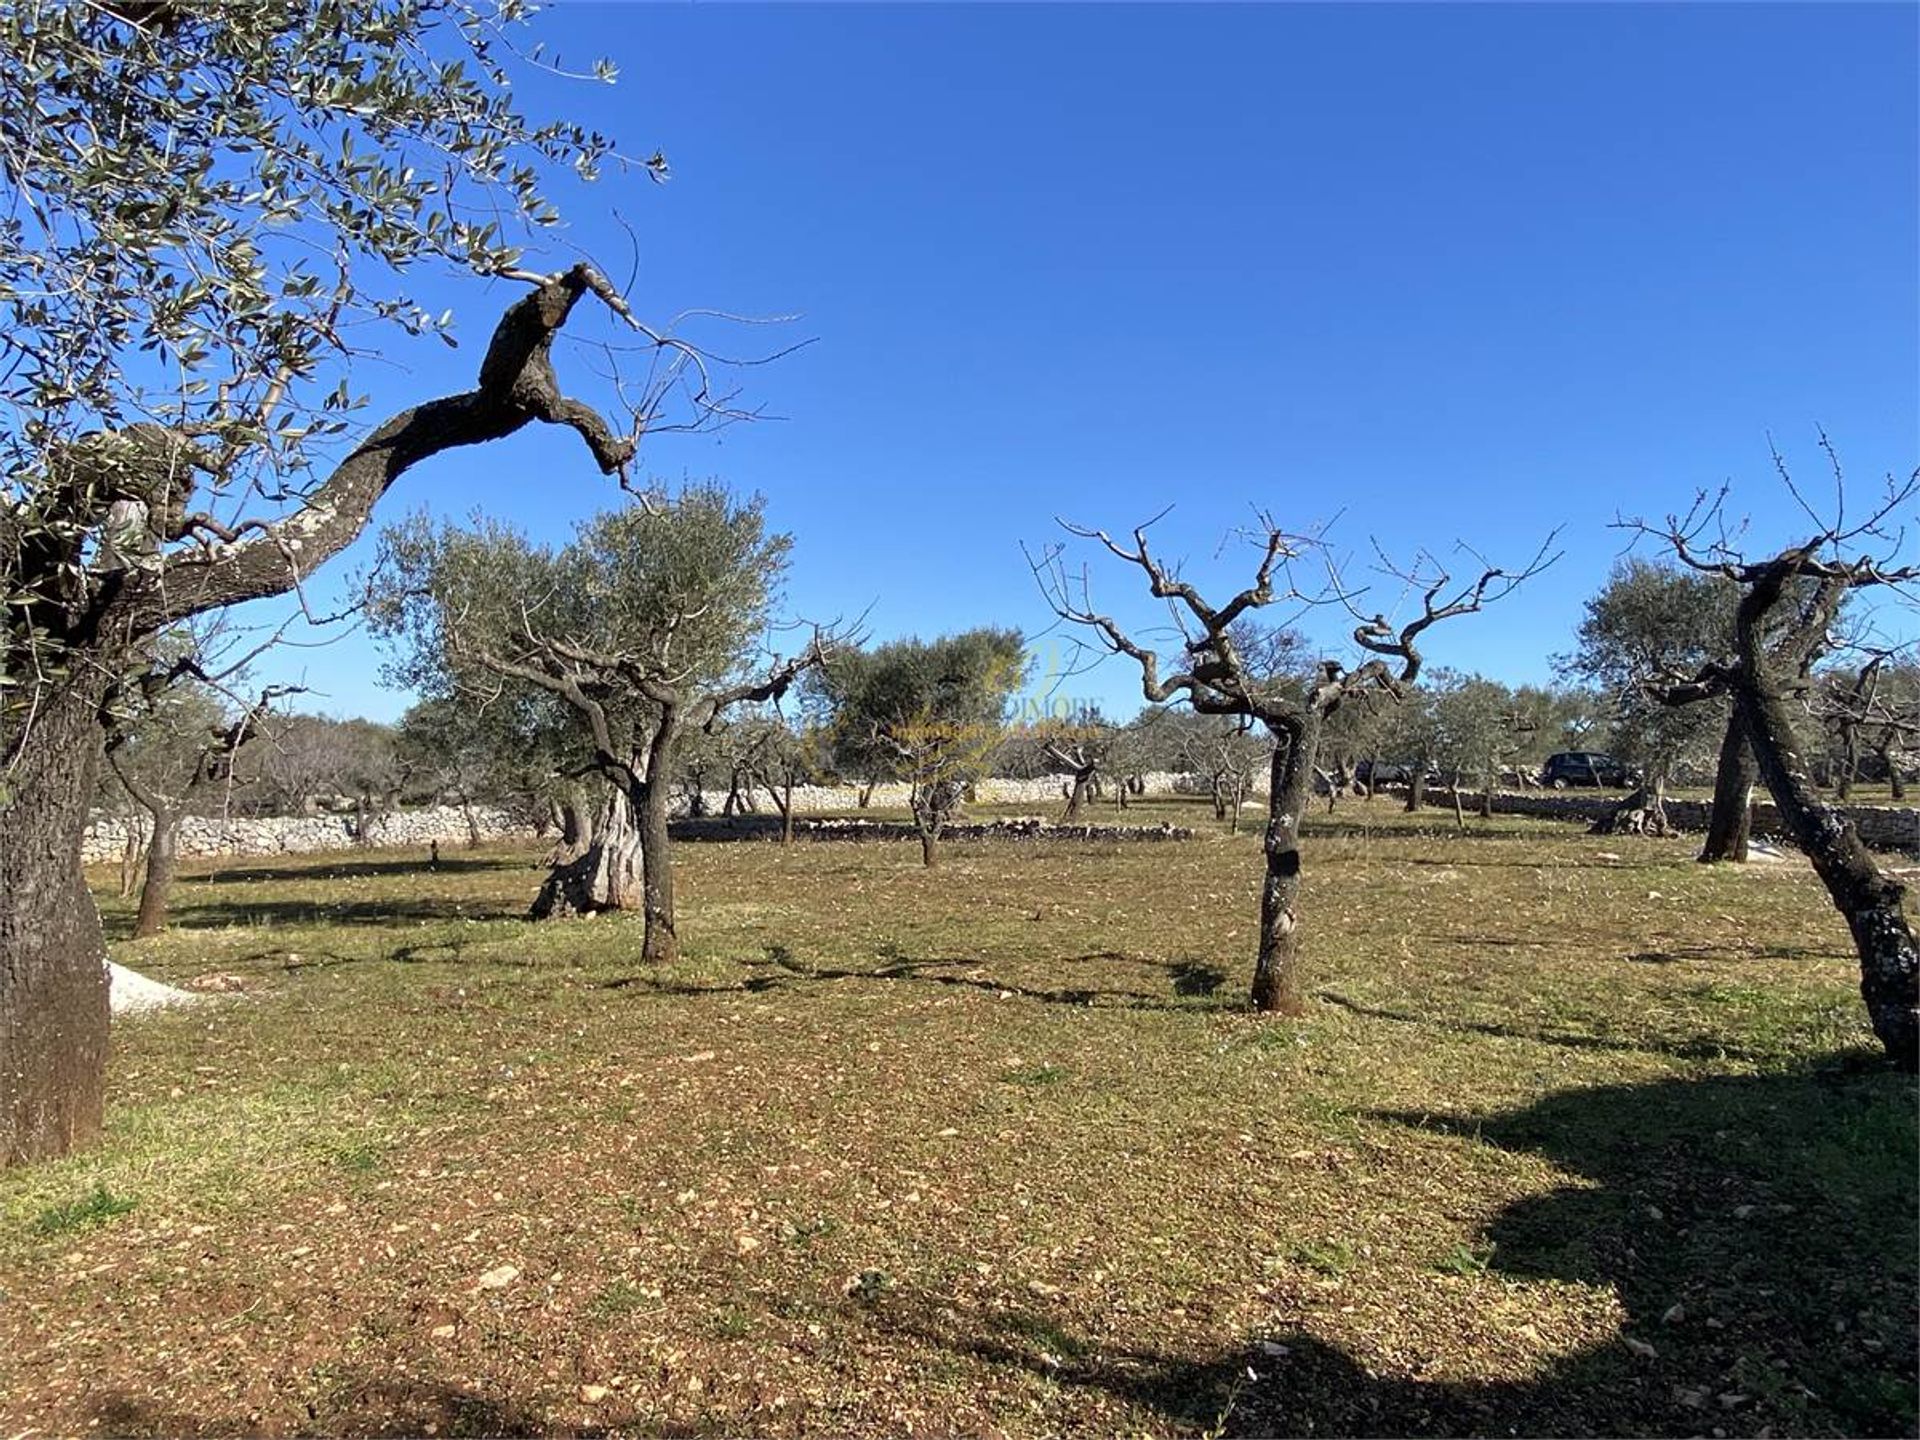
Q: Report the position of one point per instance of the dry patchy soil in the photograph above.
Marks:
(1570, 1144)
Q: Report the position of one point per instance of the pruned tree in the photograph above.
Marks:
(306, 764)
(203, 209)
(779, 755)
(1869, 707)
(173, 746)
(1788, 602)
(1212, 673)
(928, 713)
(1227, 751)
(645, 626)
(1080, 746)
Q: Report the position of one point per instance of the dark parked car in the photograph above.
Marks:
(1586, 767)
(1388, 772)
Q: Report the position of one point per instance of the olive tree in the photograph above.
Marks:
(1788, 602)
(206, 214)
(1653, 619)
(928, 713)
(1869, 706)
(1213, 671)
(645, 626)
(514, 748)
(779, 755)
(173, 740)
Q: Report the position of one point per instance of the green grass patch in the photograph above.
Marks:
(96, 1207)
(994, 1148)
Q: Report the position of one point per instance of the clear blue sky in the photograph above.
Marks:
(1444, 271)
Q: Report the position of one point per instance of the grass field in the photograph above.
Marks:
(1580, 1138)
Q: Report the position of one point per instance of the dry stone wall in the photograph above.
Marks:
(306, 834)
(416, 829)
(1040, 790)
(1883, 827)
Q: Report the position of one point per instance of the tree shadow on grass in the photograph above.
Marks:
(1701, 1048)
(1319, 827)
(1760, 1232)
(222, 915)
(780, 970)
(412, 864)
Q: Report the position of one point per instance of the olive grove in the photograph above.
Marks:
(207, 217)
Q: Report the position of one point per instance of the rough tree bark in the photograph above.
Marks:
(130, 857)
(602, 870)
(1277, 984)
(933, 803)
(53, 986)
(662, 943)
(1872, 903)
(163, 850)
(1730, 822)
(53, 974)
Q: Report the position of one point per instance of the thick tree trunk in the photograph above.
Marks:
(472, 818)
(605, 874)
(573, 827)
(929, 848)
(662, 944)
(53, 975)
(1871, 903)
(163, 849)
(1730, 823)
(1082, 783)
(1277, 985)
(1416, 788)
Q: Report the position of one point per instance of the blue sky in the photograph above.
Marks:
(1444, 272)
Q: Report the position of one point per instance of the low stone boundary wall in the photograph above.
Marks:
(1882, 827)
(307, 834)
(767, 827)
(416, 829)
(999, 790)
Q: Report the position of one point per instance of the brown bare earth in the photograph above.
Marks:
(1569, 1145)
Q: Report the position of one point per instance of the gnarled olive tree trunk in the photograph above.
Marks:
(1277, 984)
(1730, 822)
(53, 974)
(628, 862)
(599, 867)
(1083, 777)
(1871, 902)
